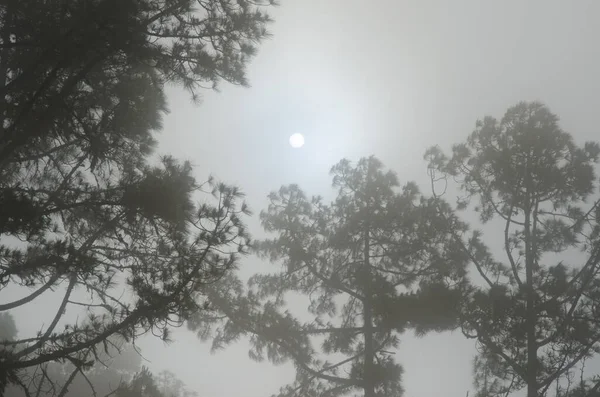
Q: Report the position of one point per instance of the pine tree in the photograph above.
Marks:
(533, 313)
(81, 209)
(374, 262)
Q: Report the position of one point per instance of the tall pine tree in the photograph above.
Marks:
(533, 310)
(372, 263)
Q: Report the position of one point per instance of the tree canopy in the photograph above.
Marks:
(372, 263)
(534, 312)
(82, 210)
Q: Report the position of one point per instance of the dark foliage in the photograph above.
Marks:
(374, 262)
(534, 314)
(81, 210)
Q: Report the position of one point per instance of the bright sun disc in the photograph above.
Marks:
(297, 140)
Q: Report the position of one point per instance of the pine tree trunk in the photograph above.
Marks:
(530, 320)
(368, 324)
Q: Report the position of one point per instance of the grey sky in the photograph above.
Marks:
(383, 77)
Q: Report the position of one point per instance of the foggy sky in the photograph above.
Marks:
(382, 77)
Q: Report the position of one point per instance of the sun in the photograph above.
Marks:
(297, 140)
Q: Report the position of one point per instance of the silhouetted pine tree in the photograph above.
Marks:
(373, 263)
(534, 312)
(81, 94)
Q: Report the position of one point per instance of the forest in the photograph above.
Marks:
(501, 244)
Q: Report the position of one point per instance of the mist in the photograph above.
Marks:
(197, 272)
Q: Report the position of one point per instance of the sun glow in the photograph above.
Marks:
(297, 140)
